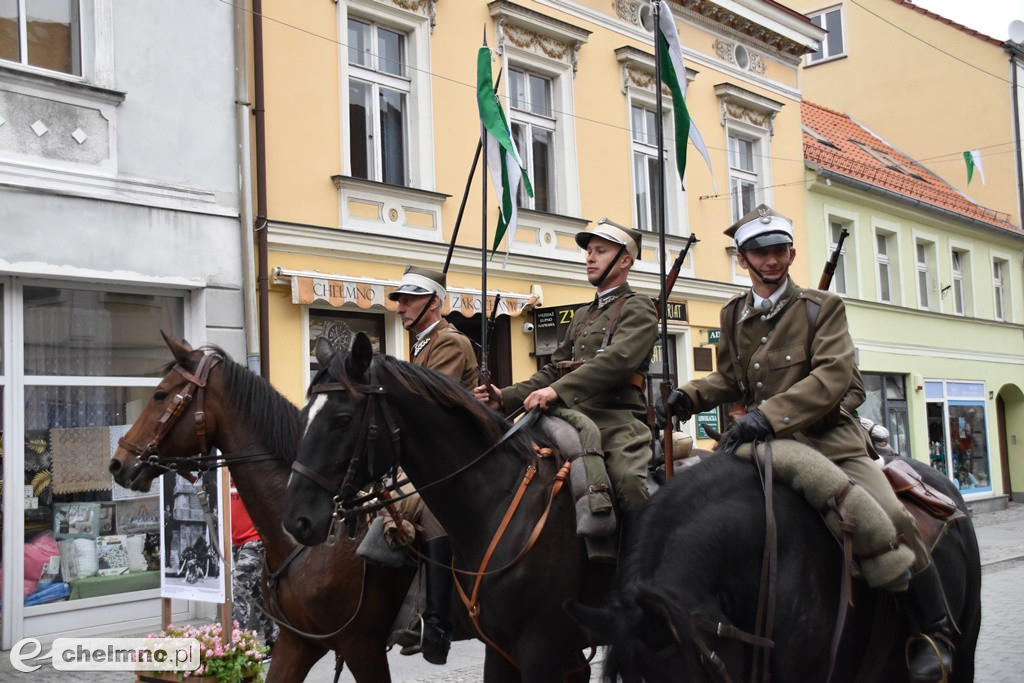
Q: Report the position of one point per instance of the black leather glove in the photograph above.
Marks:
(753, 426)
(681, 404)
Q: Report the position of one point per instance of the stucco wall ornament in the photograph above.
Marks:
(427, 8)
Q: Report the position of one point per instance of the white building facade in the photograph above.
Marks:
(122, 140)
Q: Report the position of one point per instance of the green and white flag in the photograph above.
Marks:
(503, 160)
(673, 73)
(973, 160)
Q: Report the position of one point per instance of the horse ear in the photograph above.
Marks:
(324, 350)
(360, 356)
(183, 352)
(710, 431)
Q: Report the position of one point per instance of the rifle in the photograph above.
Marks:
(830, 266)
(670, 283)
(673, 273)
(485, 374)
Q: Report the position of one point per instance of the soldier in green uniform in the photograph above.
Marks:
(599, 367)
(787, 355)
(438, 345)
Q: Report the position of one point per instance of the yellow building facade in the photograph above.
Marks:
(371, 125)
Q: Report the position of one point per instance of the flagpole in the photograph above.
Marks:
(485, 375)
(660, 202)
(465, 193)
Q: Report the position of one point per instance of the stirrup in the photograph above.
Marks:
(394, 639)
(924, 637)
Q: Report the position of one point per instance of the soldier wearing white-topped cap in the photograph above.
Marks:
(438, 345)
(787, 355)
(599, 367)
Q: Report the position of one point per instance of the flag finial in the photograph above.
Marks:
(485, 35)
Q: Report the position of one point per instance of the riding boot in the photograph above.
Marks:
(930, 653)
(433, 635)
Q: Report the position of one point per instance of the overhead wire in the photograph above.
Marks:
(953, 156)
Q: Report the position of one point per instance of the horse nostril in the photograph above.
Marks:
(114, 466)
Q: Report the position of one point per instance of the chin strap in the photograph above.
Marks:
(611, 265)
(430, 300)
(767, 281)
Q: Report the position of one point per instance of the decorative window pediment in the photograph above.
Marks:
(739, 104)
(637, 70)
(426, 8)
(534, 32)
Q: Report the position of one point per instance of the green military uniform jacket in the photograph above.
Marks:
(601, 387)
(448, 351)
(796, 375)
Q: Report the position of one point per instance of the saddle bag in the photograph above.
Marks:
(907, 484)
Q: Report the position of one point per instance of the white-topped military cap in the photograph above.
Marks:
(420, 282)
(613, 233)
(762, 227)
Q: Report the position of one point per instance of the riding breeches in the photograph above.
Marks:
(416, 511)
(864, 472)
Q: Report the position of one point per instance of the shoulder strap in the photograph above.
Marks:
(614, 320)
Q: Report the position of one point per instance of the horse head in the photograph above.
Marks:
(347, 439)
(651, 642)
(179, 421)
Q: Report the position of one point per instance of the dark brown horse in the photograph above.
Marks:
(689, 593)
(371, 412)
(325, 598)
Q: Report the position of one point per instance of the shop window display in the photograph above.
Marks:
(90, 360)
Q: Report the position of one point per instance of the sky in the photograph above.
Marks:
(991, 17)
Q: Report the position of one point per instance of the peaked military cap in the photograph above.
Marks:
(420, 282)
(613, 233)
(762, 227)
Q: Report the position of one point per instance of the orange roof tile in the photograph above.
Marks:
(846, 148)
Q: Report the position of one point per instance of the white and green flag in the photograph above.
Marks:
(673, 73)
(503, 160)
(973, 160)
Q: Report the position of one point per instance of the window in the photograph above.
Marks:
(645, 167)
(42, 33)
(378, 89)
(340, 329)
(961, 281)
(832, 21)
(999, 271)
(957, 433)
(743, 175)
(533, 130)
(835, 230)
(883, 249)
(923, 260)
(88, 361)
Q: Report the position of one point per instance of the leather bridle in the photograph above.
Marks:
(194, 389)
(368, 446)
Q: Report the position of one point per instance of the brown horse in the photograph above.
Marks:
(324, 598)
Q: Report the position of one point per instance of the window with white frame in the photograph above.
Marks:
(835, 230)
(833, 46)
(960, 261)
(45, 34)
(533, 130)
(643, 129)
(888, 277)
(923, 261)
(999, 273)
(379, 90)
(743, 174)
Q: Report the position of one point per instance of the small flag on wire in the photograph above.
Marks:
(973, 160)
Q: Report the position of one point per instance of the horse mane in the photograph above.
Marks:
(445, 391)
(271, 417)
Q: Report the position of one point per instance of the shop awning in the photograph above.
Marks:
(338, 290)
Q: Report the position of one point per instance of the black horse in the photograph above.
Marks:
(695, 561)
(367, 413)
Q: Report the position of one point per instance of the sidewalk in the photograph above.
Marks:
(1000, 538)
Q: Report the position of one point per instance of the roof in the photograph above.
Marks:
(949, 22)
(840, 145)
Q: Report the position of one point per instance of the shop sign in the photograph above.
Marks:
(707, 419)
(714, 336)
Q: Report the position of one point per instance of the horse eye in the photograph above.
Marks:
(343, 418)
(159, 395)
